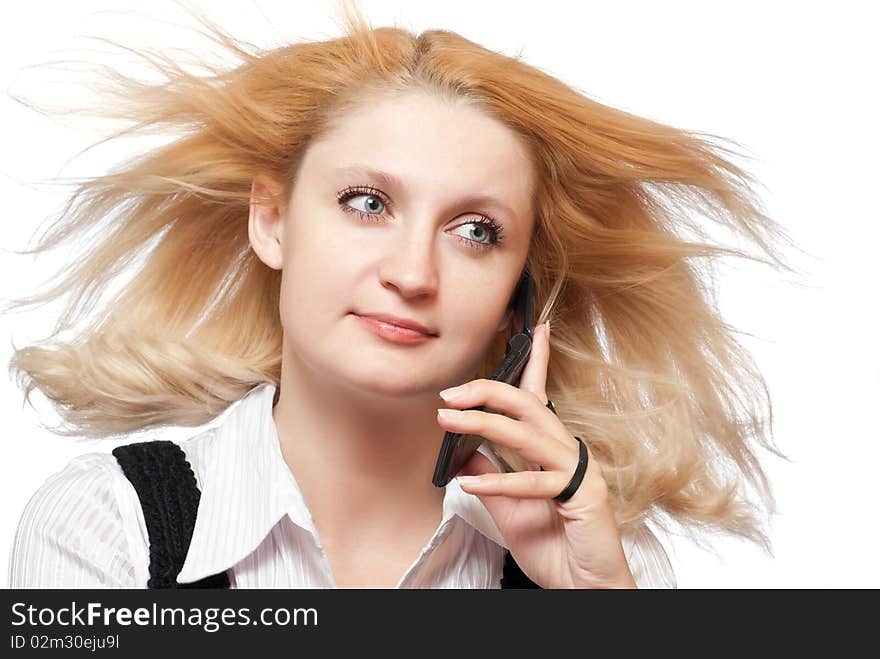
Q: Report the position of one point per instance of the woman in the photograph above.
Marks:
(413, 178)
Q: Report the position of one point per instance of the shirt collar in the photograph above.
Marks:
(246, 485)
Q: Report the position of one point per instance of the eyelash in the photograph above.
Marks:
(497, 231)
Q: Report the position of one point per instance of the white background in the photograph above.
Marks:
(794, 83)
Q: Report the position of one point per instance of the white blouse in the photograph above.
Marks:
(84, 528)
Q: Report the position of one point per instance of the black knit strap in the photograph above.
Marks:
(513, 576)
(169, 496)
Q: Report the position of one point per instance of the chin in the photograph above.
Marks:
(386, 381)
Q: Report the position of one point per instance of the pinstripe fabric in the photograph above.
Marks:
(84, 528)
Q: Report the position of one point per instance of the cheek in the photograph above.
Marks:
(479, 303)
(316, 285)
(478, 329)
(311, 291)
(318, 254)
(317, 233)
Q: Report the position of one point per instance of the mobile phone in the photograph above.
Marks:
(457, 448)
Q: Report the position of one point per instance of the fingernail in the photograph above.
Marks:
(449, 415)
(453, 392)
(468, 480)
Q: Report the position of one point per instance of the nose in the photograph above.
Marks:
(410, 264)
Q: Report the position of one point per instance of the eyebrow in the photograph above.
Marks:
(393, 181)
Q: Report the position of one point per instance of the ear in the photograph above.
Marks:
(265, 222)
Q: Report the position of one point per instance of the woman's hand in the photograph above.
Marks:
(570, 544)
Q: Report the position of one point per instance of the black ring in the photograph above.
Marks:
(578, 477)
(575, 482)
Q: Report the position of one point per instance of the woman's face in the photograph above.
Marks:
(442, 242)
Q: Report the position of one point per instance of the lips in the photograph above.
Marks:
(406, 323)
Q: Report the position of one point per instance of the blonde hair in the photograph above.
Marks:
(642, 364)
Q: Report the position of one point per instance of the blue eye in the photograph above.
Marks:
(372, 200)
(481, 228)
(375, 202)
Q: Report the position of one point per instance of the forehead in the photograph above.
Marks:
(424, 143)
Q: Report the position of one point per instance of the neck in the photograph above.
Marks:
(363, 460)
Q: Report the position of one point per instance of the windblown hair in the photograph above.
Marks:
(642, 364)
